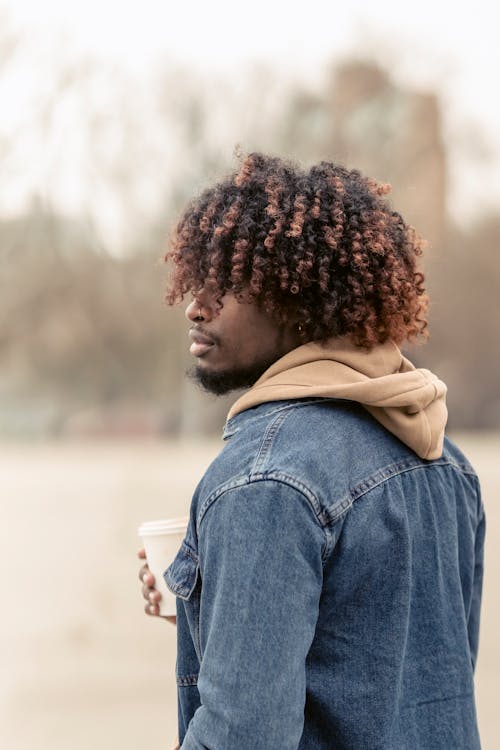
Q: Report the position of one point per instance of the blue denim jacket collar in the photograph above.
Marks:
(240, 420)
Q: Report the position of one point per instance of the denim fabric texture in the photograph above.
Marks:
(329, 589)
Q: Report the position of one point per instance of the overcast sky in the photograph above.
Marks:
(461, 39)
(449, 46)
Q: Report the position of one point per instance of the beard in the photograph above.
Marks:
(220, 383)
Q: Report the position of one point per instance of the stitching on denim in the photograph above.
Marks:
(286, 406)
(312, 502)
(190, 552)
(264, 477)
(179, 589)
(284, 478)
(186, 680)
(266, 444)
(217, 492)
(383, 475)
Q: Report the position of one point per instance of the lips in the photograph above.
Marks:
(201, 343)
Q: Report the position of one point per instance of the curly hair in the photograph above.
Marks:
(322, 247)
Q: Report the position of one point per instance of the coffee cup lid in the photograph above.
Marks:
(168, 525)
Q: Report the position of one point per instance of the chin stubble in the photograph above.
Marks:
(220, 383)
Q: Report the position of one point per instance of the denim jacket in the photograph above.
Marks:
(329, 589)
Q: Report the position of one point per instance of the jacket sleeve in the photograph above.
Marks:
(260, 551)
(477, 585)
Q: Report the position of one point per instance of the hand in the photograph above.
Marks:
(151, 595)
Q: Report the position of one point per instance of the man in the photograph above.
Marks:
(329, 583)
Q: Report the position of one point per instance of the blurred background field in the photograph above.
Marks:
(113, 116)
(82, 665)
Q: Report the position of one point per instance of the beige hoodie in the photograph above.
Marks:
(408, 402)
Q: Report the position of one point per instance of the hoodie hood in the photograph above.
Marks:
(407, 401)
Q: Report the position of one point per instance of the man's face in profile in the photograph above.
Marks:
(233, 344)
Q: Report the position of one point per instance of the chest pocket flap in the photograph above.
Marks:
(182, 573)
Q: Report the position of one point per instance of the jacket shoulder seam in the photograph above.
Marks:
(281, 478)
(381, 476)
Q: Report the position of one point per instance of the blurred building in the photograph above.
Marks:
(394, 135)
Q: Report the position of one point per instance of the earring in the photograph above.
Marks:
(300, 327)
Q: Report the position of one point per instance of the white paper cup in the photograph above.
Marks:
(161, 540)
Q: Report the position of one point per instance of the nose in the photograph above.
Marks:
(199, 310)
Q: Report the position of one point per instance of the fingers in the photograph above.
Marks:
(150, 594)
(153, 597)
(152, 609)
(146, 576)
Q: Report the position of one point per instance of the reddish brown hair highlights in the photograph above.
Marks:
(321, 247)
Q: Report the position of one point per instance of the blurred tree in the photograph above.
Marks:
(394, 135)
(464, 285)
(77, 326)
